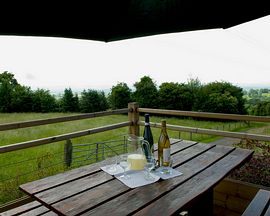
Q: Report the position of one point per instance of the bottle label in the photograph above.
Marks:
(166, 155)
(147, 124)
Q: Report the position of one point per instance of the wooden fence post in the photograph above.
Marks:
(68, 153)
(133, 117)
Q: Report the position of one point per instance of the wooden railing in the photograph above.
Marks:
(133, 122)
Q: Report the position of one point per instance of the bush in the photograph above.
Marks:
(257, 170)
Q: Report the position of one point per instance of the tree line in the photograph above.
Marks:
(258, 101)
(219, 97)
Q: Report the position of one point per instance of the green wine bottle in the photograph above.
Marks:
(147, 135)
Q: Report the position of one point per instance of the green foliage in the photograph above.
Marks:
(69, 101)
(21, 99)
(120, 96)
(219, 97)
(258, 101)
(93, 101)
(43, 101)
(146, 92)
(222, 97)
(7, 84)
(261, 108)
(175, 96)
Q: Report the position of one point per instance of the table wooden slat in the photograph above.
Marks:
(141, 196)
(91, 198)
(23, 208)
(72, 188)
(174, 200)
(58, 179)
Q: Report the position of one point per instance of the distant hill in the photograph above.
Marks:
(254, 86)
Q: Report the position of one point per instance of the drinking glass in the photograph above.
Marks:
(168, 169)
(112, 161)
(123, 162)
(149, 166)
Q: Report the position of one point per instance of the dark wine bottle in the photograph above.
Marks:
(147, 135)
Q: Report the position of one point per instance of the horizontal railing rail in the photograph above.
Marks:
(18, 125)
(206, 115)
(239, 135)
(47, 140)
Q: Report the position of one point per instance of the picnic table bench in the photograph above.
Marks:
(260, 205)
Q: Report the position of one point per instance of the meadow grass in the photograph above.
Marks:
(33, 163)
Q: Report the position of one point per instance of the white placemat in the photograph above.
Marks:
(167, 173)
(117, 170)
(136, 178)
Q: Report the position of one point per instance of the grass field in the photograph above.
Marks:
(29, 164)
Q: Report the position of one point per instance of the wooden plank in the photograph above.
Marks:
(267, 213)
(89, 199)
(208, 178)
(42, 210)
(23, 208)
(213, 132)
(182, 144)
(62, 137)
(75, 187)
(142, 196)
(133, 117)
(207, 115)
(191, 152)
(24, 124)
(59, 179)
(259, 204)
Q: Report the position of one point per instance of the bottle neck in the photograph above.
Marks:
(164, 130)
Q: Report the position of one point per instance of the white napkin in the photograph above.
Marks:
(117, 170)
(136, 178)
(168, 173)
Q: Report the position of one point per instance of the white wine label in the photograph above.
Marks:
(166, 155)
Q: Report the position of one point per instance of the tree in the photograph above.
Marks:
(222, 97)
(146, 92)
(195, 88)
(69, 102)
(119, 96)
(7, 85)
(93, 101)
(43, 101)
(21, 99)
(171, 96)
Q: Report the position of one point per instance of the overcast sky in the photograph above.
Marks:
(240, 55)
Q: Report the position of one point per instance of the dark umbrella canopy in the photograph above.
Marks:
(121, 19)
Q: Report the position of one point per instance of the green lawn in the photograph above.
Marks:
(29, 164)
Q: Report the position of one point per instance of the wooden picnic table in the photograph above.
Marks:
(89, 190)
